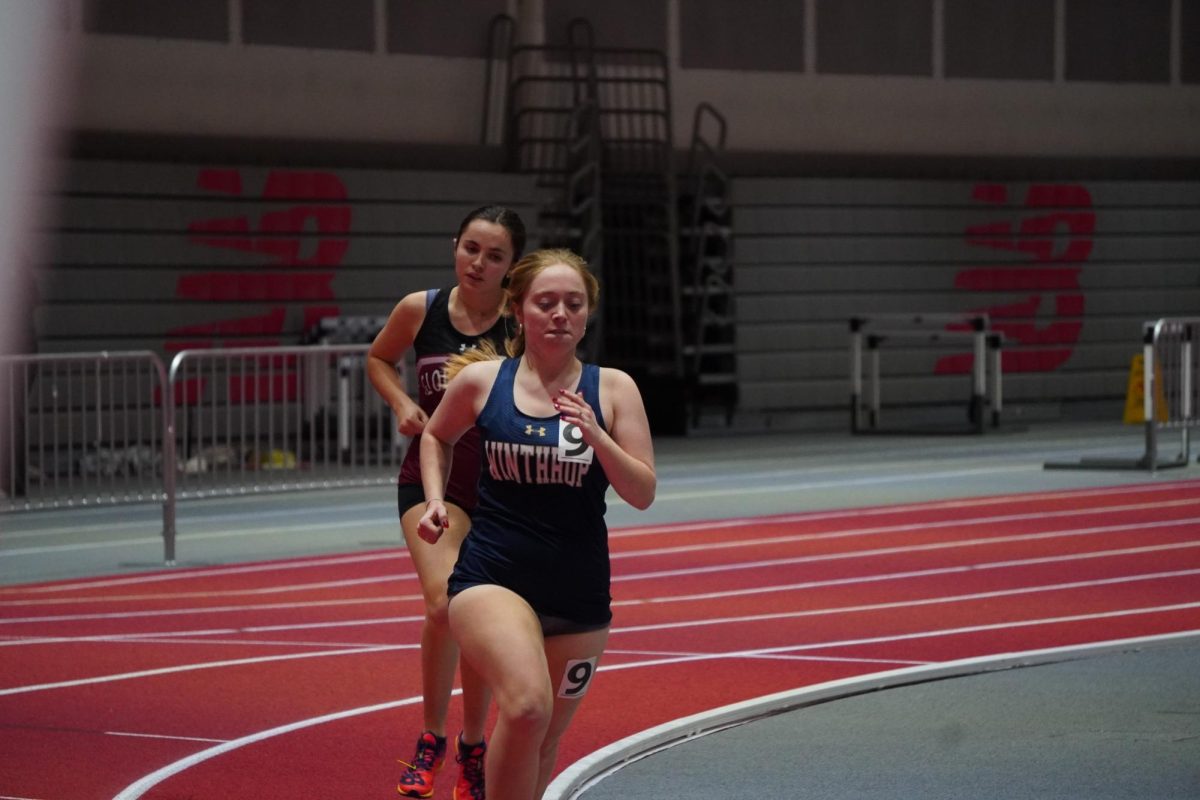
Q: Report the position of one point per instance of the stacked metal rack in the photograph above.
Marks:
(594, 124)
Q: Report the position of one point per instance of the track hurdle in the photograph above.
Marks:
(1167, 357)
(874, 331)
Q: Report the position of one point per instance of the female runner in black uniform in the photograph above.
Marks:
(436, 325)
(529, 595)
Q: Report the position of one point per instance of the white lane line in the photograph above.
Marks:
(724, 567)
(740, 544)
(159, 636)
(171, 639)
(785, 480)
(940, 505)
(783, 656)
(906, 527)
(165, 736)
(360, 601)
(950, 545)
(141, 786)
(928, 601)
(787, 485)
(149, 673)
(920, 573)
(594, 767)
(252, 592)
(705, 623)
(207, 572)
(616, 533)
(179, 636)
(929, 634)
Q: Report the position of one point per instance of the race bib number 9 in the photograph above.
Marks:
(571, 446)
(576, 678)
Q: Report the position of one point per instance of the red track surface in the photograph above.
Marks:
(105, 682)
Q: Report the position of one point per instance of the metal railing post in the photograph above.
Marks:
(1149, 334)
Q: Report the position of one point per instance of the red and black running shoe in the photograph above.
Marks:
(417, 780)
(470, 770)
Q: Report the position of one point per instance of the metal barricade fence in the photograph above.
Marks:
(84, 429)
(1168, 351)
(1169, 386)
(280, 418)
(102, 428)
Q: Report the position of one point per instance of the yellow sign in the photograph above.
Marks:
(1135, 400)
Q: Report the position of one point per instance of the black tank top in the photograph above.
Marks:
(435, 342)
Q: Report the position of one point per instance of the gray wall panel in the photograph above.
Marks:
(205, 20)
(903, 194)
(1118, 41)
(616, 23)
(944, 221)
(344, 25)
(168, 215)
(425, 28)
(126, 284)
(1006, 39)
(181, 250)
(747, 35)
(129, 179)
(841, 307)
(1189, 37)
(875, 37)
(228, 320)
(753, 279)
(945, 250)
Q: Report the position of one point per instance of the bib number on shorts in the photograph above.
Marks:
(576, 678)
(571, 446)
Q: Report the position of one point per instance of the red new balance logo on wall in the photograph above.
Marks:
(300, 246)
(1053, 229)
(307, 239)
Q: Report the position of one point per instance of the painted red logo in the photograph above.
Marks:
(300, 245)
(1053, 229)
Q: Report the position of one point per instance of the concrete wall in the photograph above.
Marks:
(1066, 78)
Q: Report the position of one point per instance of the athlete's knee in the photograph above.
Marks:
(528, 710)
(437, 610)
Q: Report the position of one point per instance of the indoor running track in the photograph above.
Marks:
(300, 678)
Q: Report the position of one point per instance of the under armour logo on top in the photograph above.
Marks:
(530, 430)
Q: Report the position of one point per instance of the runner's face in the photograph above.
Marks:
(554, 311)
(483, 254)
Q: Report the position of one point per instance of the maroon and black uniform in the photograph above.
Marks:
(435, 342)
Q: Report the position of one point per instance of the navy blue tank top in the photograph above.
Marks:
(435, 342)
(539, 527)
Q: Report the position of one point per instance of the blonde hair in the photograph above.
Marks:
(520, 277)
(484, 351)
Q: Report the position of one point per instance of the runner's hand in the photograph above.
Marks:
(433, 522)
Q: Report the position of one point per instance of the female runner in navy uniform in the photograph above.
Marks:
(436, 325)
(529, 596)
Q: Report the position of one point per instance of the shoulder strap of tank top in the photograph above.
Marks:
(589, 384)
(430, 296)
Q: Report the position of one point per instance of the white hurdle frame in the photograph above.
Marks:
(878, 328)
